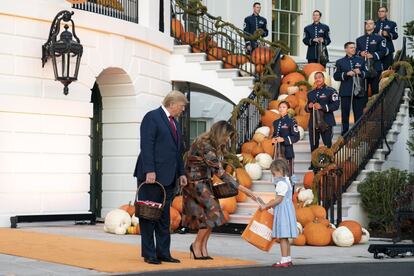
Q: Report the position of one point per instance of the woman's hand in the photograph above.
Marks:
(280, 139)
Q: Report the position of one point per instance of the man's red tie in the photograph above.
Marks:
(173, 128)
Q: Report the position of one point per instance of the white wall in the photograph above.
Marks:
(44, 135)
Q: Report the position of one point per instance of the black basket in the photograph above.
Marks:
(146, 211)
(224, 190)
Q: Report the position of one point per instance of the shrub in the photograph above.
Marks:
(378, 193)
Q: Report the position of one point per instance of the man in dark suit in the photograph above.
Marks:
(160, 160)
(253, 23)
(316, 35)
(350, 71)
(388, 30)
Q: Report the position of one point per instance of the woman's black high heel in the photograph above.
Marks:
(193, 254)
(208, 257)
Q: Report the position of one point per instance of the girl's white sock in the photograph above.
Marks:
(284, 260)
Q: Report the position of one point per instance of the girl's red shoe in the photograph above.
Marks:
(288, 264)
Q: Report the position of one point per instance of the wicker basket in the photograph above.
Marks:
(146, 211)
(224, 190)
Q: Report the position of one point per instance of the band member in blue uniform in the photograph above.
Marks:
(350, 71)
(251, 24)
(388, 30)
(372, 48)
(316, 35)
(322, 102)
(285, 133)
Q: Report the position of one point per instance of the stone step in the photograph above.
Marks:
(374, 165)
(195, 57)
(227, 73)
(211, 65)
(243, 81)
(350, 198)
(181, 49)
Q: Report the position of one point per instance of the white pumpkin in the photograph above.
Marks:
(117, 222)
(301, 133)
(249, 67)
(365, 236)
(259, 137)
(343, 237)
(282, 97)
(311, 78)
(253, 170)
(263, 130)
(305, 195)
(264, 160)
(292, 90)
(134, 220)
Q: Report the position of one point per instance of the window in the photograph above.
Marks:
(285, 22)
(372, 6)
(197, 126)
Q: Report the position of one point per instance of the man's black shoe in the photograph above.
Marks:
(170, 260)
(152, 261)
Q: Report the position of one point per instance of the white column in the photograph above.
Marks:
(149, 11)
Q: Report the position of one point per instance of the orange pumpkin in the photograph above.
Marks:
(300, 240)
(260, 69)
(262, 55)
(226, 215)
(268, 146)
(318, 211)
(308, 179)
(129, 208)
(243, 178)
(354, 227)
(175, 219)
(304, 215)
(273, 105)
(293, 78)
(178, 203)
(302, 121)
(188, 37)
(241, 197)
(287, 65)
(228, 204)
(242, 59)
(292, 100)
(247, 147)
(317, 234)
(177, 28)
(312, 67)
(216, 53)
(331, 230)
(134, 230)
(283, 89)
(230, 61)
(202, 44)
(269, 117)
(257, 149)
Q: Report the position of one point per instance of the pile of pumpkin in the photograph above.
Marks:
(314, 229)
(254, 63)
(294, 88)
(123, 220)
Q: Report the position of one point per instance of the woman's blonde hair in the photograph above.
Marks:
(215, 135)
(280, 165)
(174, 96)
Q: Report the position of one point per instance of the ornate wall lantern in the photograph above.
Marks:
(66, 52)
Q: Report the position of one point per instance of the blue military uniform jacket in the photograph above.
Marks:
(391, 28)
(287, 128)
(328, 98)
(252, 23)
(313, 31)
(375, 45)
(343, 66)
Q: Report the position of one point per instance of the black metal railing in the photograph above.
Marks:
(225, 44)
(122, 9)
(361, 142)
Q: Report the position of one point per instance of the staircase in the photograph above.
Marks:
(194, 67)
